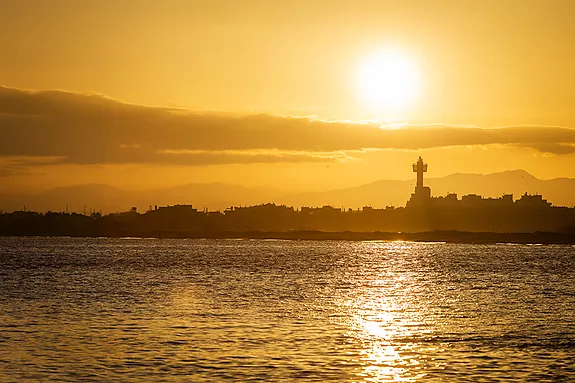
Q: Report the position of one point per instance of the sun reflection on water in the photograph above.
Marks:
(389, 318)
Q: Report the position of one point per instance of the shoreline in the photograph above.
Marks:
(543, 238)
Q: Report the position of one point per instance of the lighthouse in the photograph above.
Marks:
(422, 193)
(419, 167)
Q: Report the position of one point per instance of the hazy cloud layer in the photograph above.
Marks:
(9, 171)
(553, 148)
(91, 129)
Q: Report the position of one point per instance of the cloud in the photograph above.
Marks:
(92, 129)
(553, 148)
(10, 171)
(198, 157)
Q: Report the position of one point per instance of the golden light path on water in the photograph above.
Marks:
(381, 308)
(389, 318)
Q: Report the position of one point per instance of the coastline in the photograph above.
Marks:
(543, 238)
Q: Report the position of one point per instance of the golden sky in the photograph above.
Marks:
(229, 83)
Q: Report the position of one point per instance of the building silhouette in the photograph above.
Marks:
(422, 213)
(422, 198)
(422, 194)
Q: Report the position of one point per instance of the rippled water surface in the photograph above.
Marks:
(130, 310)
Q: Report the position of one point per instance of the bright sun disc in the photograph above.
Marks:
(388, 81)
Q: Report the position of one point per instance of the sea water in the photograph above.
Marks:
(149, 310)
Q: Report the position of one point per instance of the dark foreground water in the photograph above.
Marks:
(129, 310)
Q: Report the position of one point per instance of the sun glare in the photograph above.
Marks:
(388, 81)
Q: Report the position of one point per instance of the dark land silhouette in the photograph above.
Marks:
(471, 218)
(219, 196)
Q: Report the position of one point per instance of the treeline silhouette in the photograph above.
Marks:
(185, 221)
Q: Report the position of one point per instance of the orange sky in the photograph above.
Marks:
(481, 63)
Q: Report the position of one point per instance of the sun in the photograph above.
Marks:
(388, 81)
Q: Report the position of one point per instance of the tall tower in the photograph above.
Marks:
(422, 193)
(419, 167)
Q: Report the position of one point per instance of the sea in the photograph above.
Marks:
(203, 310)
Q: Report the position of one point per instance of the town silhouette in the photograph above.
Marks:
(528, 218)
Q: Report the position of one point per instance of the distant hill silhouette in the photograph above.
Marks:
(559, 191)
(218, 196)
(109, 199)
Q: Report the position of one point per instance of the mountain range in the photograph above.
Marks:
(218, 196)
